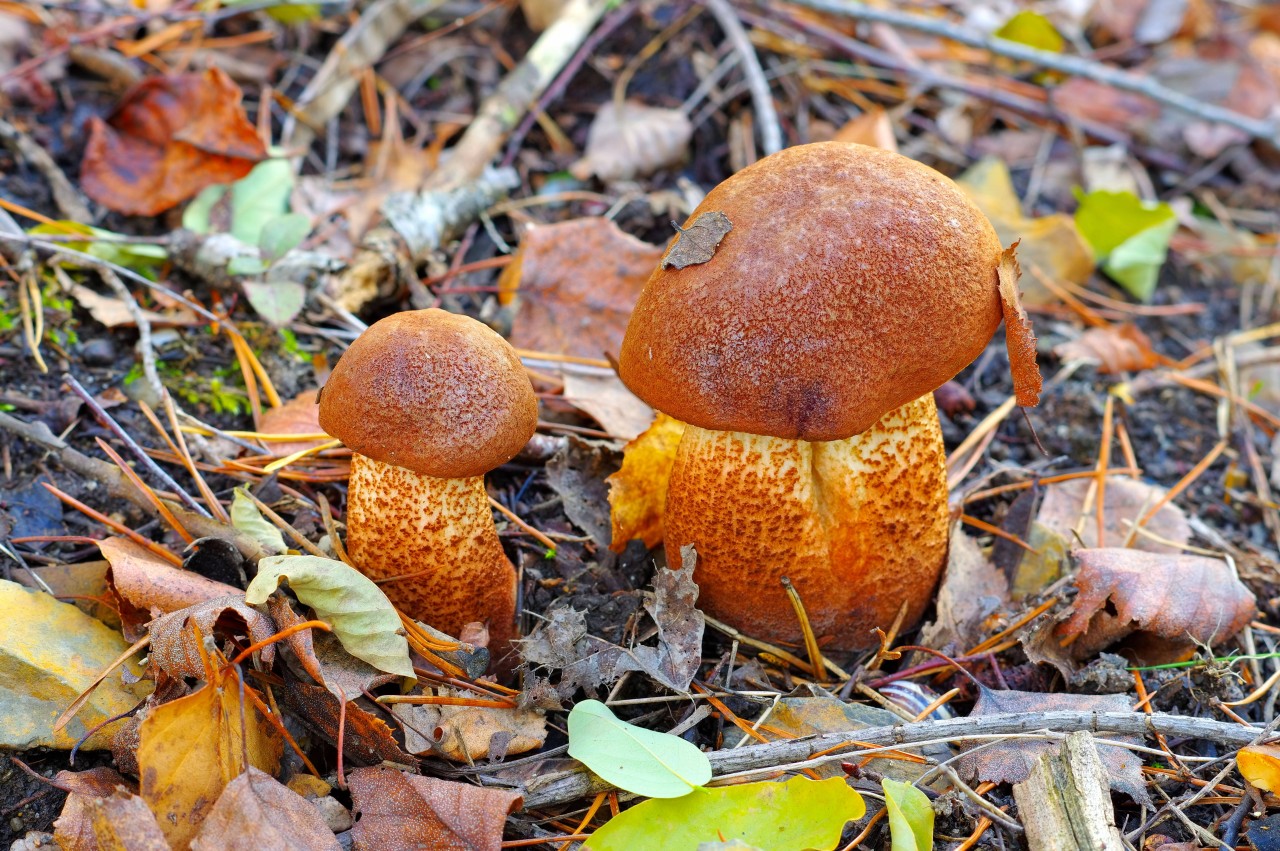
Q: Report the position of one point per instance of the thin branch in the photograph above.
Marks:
(766, 115)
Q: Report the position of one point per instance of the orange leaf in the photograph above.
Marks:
(146, 585)
(638, 491)
(300, 415)
(1019, 338)
(169, 138)
(256, 804)
(403, 811)
(1116, 348)
(1260, 765)
(870, 128)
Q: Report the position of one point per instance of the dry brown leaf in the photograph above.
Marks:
(257, 805)
(1260, 765)
(1115, 348)
(872, 127)
(1011, 762)
(638, 491)
(696, 242)
(177, 638)
(540, 14)
(300, 415)
(74, 828)
(146, 585)
(470, 733)
(122, 822)
(632, 142)
(1020, 339)
(169, 138)
(972, 589)
(1103, 104)
(402, 811)
(192, 747)
(604, 398)
(111, 312)
(366, 739)
(576, 284)
(1124, 501)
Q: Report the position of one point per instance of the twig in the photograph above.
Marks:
(69, 202)
(1077, 66)
(766, 115)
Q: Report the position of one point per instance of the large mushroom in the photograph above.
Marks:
(803, 355)
(428, 402)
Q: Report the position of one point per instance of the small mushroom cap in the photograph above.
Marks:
(432, 391)
(854, 280)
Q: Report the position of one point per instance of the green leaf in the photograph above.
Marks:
(791, 816)
(1129, 236)
(275, 301)
(1033, 30)
(259, 197)
(656, 765)
(283, 233)
(362, 617)
(246, 517)
(197, 216)
(109, 246)
(910, 816)
(245, 264)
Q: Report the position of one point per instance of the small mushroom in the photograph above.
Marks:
(428, 402)
(803, 356)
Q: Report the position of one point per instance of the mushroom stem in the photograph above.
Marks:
(858, 525)
(431, 545)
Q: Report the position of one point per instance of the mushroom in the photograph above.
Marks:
(428, 402)
(803, 356)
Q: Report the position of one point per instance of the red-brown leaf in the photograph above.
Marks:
(1116, 348)
(403, 811)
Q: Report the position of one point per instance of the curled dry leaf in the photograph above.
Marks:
(1158, 607)
(73, 830)
(1020, 339)
(605, 399)
(169, 138)
(176, 637)
(279, 819)
(300, 415)
(470, 733)
(1115, 348)
(638, 491)
(146, 585)
(402, 811)
(633, 141)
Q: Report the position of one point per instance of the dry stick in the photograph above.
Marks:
(559, 789)
(761, 99)
(71, 204)
(1077, 66)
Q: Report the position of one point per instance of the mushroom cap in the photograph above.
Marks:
(435, 392)
(854, 280)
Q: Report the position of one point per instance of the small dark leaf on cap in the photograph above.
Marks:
(698, 242)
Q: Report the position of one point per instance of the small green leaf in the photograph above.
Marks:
(910, 816)
(245, 264)
(259, 197)
(246, 517)
(1032, 29)
(1130, 237)
(362, 617)
(791, 816)
(656, 765)
(283, 233)
(197, 216)
(275, 301)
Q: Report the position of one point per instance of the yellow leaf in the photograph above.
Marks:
(638, 491)
(192, 747)
(49, 653)
(1260, 765)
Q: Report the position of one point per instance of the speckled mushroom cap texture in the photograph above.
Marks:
(435, 392)
(854, 280)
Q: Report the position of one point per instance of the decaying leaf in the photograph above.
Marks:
(578, 472)
(1115, 348)
(972, 589)
(470, 733)
(697, 242)
(256, 804)
(176, 637)
(1020, 339)
(122, 822)
(638, 491)
(872, 127)
(401, 811)
(169, 138)
(299, 415)
(1011, 762)
(146, 585)
(192, 747)
(1157, 606)
(608, 401)
(366, 739)
(632, 141)
(1125, 500)
(74, 828)
(49, 653)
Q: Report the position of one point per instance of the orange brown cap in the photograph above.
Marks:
(436, 392)
(854, 280)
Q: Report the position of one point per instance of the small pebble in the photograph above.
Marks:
(100, 351)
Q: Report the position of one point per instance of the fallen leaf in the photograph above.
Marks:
(73, 829)
(1100, 103)
(256, 804)
(1012, 761)
(1034, 30)
(1158, 606)
(1260, 765)
(111, 312)
(791, 816)
(366, 739)
(540, 14)
(697, 242)
(122, 822)
(1020, 339)
(362, 617)
(605, 399)
(50, 652)
(577, 473)
(873, 128)
(299, 415)
(176, 638)
(636, 759)
(633, 141)
(192, 747)
(146, 585)
(278, 302)
(1129, 237)
(1114, 348)
(169, 138)
(638, 491)
(246, 517)
(972, 589)
(83, 584)
(575, 284)
(470, 733)
(397, 811)
(910, 816)
(1051, 243)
